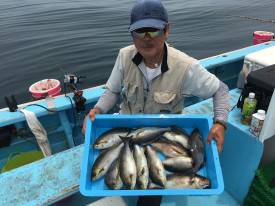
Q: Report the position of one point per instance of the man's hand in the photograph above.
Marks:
(91, 114)
(217, 132)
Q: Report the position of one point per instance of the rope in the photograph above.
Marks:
(254, 18)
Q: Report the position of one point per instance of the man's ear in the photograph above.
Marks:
(167, 30)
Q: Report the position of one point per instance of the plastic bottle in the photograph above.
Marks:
(249, 107)
(257, 122)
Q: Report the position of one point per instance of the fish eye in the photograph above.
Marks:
(101, 170)
(142, 171)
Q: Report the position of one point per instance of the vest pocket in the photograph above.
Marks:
(166, 101)
(164, 97)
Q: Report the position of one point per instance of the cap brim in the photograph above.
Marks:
(152, 23)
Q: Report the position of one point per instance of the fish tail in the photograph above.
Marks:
(125, 138)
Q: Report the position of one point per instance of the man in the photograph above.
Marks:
(152, 77)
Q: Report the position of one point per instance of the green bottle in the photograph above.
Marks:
(249, 107)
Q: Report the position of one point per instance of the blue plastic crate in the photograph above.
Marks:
(211, 170)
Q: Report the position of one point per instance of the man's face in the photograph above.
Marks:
(149, 41)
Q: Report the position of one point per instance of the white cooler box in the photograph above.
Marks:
(255, 61)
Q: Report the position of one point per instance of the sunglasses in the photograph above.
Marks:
(140, 33)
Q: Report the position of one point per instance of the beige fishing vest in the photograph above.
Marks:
(165, 95)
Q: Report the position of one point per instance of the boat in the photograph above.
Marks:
(54, 180)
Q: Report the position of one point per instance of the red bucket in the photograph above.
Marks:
(44, 88)
(262, 36)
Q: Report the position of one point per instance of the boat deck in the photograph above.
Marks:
(53, 178)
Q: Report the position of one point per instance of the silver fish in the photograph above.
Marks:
(178, 181)
(156, 169)
(152, 185)
(127, 167)
(112, 177)
(178, 164)
(104, 161)
(177, 136)
(110, 138)
(197, 150)
(170, 149)
(146, 134)
(142, 167)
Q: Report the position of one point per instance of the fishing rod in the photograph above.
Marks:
(254, 18)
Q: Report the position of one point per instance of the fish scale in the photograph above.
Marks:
(142, 167)
(127, 167)
(110, 138)
(176, 136)
(104, 161)
(156, 169)
(112, 177)
(146, 134)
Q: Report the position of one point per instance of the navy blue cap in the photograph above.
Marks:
(148, 13)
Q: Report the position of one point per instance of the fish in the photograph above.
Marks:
(127, 167)
(176, 135)
(153, 186)
(179, 164)
(110, 138)
(104, 161)
(179, 181)
(169, 149)
(112, 177)
(146, 134)
(156, 169)
(197, 150)
(142, 167)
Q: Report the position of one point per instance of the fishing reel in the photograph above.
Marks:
(79, 101)
(71, 81)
